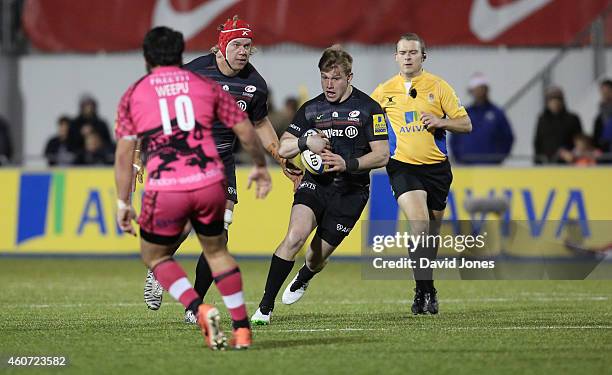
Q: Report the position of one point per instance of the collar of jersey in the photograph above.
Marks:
(165, 68)
(415, 79)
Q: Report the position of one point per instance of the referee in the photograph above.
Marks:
(421, 108)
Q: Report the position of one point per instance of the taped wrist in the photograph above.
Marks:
(302, 144)
(228, 218)
(122, 205)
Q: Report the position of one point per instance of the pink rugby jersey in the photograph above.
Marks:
(172, 111)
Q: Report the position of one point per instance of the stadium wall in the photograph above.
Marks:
(51, 84)
(73, 210)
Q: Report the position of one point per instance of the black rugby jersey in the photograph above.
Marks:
(349, 125)
(248, 88)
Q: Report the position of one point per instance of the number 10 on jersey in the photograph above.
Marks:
(185, 118)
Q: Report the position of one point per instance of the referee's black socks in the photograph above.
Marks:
(425, 285)
(421, 285)
(279, 270)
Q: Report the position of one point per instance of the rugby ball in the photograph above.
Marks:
(311, 161)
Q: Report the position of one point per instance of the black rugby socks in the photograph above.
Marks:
(279, 270)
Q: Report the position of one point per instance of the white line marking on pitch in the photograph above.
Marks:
(431, 328)
(329, 302)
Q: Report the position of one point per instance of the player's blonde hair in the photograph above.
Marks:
(335, 56)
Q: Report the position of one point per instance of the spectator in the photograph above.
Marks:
(96, 152)
(491, 138)
(556, 128)
(583, 154)
(56, 151)
(602, 133)
(88, 116)
(291, 107)
(281, 119)
(275, 116)
(6, 144)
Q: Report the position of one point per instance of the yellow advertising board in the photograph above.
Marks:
(73, 210)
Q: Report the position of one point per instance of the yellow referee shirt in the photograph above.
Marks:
(409, 140)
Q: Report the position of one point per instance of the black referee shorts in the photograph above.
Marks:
(435, 179)
(336, 210)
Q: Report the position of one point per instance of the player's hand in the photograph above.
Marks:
(125, 215)
(292, 172)
(432, 121)
(335, 162)
(291, 168)
(296, 179)
(317, 143)
(262, 180)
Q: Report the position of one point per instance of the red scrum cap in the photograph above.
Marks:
(233, 29)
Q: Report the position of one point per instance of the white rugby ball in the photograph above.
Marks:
(311, 161)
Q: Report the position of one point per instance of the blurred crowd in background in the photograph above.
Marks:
(558, 137)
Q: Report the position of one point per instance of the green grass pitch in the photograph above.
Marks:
(92, 312)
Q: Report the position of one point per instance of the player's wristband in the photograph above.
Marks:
(352, 165)
(121, 205)
(302, 144)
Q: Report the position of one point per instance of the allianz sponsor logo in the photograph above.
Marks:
(334, 132)
(350, 132)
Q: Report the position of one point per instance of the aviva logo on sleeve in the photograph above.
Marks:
(380, 124)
